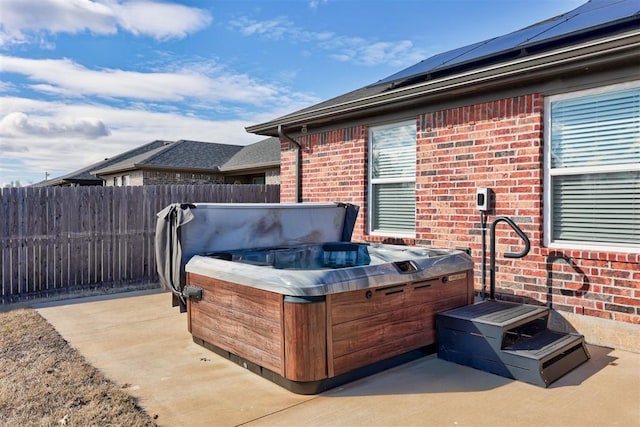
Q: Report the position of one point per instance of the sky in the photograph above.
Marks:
(83, 80)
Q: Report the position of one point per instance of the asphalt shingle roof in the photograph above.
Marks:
(199, 155)
(261, 154)
(183, 154)
(85, 174)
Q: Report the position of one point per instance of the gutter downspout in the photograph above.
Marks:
(298, 172)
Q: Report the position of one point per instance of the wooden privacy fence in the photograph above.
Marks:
(56, 240)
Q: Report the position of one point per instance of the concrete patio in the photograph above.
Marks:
(141, 342)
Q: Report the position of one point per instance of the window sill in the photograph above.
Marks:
(394, 235)
(581, 246)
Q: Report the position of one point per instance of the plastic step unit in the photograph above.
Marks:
(510, 340)
(545, 357)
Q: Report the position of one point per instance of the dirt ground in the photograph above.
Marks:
(45, 382)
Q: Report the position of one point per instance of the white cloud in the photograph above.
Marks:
(313, 4)
(22, 21)
(274, 29)
(68, 78)
(12, 147)
(360, 51)
(6, 86)
(356, 50)
(277, 29)
(159, 20)
(20, 124)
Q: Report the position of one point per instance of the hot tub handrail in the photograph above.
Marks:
(492, 250)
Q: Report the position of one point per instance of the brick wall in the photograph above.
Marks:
(500, 145)
(152, 177)
(136, 177)
(495, 144)
(333, 169)
(272, 176)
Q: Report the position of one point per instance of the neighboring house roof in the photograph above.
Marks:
(85, 175)
(183, 155)
(81, 176)
(262, 154)
(594, 30)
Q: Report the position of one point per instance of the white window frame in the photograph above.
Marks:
(372, 181)
(548, 173)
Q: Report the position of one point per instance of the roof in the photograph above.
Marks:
(81, 176)
(85, 175)
(184, 155)
(596, 28)
(265, 153)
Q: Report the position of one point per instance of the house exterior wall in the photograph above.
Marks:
(272, 176)
(266, 176)
(333, 169)
(135, 178)
(496, 144)
(157, 177)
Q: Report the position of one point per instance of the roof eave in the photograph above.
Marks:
(135, 167)
(490, 76)
(111, 171)
(214, 169)
(250, 167)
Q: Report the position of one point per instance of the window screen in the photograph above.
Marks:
(594, 168)
(392, 179)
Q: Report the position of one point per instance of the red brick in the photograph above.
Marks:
(596, 313)
(626, 301)
(627, 318)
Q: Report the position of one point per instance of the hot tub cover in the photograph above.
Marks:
(186, 230)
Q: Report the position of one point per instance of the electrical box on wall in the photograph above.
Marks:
(484, 197)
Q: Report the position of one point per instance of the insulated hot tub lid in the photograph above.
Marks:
(186, 230)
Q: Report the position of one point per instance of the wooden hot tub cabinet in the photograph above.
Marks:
(312, 343)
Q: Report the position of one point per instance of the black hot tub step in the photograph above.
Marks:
(545, 357)
(507, 339)
(489, 326)
(544, 344)
(498, 313)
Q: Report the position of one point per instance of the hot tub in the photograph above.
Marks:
(281, 290)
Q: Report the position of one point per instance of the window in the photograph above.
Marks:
(592, 168)
(392, 180)
(126, 180)
(118, 181)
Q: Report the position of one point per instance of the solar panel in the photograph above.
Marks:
(592, 17)
(506, 42)
(430, 63)
(592, 14)
(597, 4)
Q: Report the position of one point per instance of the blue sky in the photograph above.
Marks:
(82, 80)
